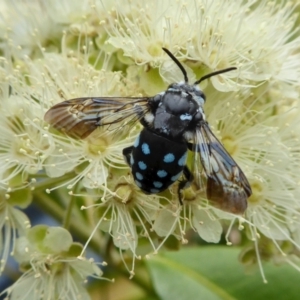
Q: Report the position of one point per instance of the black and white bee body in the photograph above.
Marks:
(156, 161)
(173, 121)
(178, 110)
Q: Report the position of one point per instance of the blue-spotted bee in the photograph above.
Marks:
(173, 123)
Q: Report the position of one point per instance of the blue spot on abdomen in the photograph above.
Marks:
(139, 176)
(157, 184)
(182, 160)
(169, 158)
(142, 165)
(145, 148)
(162, 173)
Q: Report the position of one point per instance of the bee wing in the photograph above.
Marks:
(81, 116)
(227, 185)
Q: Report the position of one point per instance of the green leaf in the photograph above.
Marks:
(218, 270)
(173, 280)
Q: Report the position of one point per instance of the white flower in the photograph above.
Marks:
(31, 25)
(89, 158)
(254, 37)
(255, 125)
(13, 222)
(23, 146)
(195, 214)
(274, 206)
(127, 215)
(51, 268)
(263, 139)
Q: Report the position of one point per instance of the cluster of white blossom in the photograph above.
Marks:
(58, 50)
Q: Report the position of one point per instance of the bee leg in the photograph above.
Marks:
(183, 184)
(127, 155)
(192, 147)
(199, 147)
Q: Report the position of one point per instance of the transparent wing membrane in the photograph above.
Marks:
(81, 116)
(227, 186)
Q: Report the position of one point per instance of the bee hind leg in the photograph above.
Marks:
(127, 153)
(183, 184)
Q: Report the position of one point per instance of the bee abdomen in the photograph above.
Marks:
(156, 162)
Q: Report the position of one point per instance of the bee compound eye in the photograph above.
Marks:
(157, 99)
(198, 116)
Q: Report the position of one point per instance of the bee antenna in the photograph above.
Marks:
(186, 80)
(213, 74)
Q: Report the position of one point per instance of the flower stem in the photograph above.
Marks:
(68, 213)
(43, 200)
